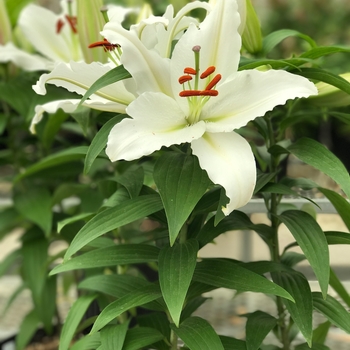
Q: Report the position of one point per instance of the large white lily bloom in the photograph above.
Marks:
(204, 111)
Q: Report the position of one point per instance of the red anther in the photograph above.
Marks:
(209, 93)
(72, 23)
(207, 72)
(59, 26)
(189, 70)
(105, 44)
(189, 93)
(184, 78)
(215, 80)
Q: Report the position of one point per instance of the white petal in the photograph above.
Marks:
(39, 26)
(79, 76)
(157, 121)
(149, 70)
(251, 94)
(229, 162)
(24, 60)
(69, 106)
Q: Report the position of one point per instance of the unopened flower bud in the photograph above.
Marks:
(251, 37)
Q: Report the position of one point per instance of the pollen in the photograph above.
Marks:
(215, 80)
(184, 78)
(189, 70)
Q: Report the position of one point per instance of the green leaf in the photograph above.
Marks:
(227, 274)
(305, 346)
(176, 267)
(335, 237)
(341, 205)
(325, 76)
(35, 205)
(35, 255)
(273, 39)
(112, 76)
(335, 283)
(197, 334)
(233, 343)
(135, 298)
(110, 256)
(89, 342)
(99, 141)
(292, 63)
(141, 337)
(315, 154)
(318, 52)
(132, 180)
(27, 329)
(181, 183)
(73, 319)
(301, 310)
(112, 218)
(112, 337)
(312, 242)
(258, 326)
(9, 260)
(320, 333)
(332, 310)
(53, 160)
(73, 219)
(262, 180)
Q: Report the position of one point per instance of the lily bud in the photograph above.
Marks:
(251, 37)
(5, 25)
(90, 23)
(331, 96)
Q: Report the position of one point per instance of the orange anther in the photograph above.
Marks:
(184, 78)
(207, 72)
(72, 22)
(105, 44)
(189, 70)
(189, 93)
(215, 80)
(59, 26)
(209, 93)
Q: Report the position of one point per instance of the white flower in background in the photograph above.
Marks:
(155, 33)
(199, 97)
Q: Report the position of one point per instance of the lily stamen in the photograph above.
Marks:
(189, 70)
(72, 21)
(215, 80)
(184, 78)
(207, 72)
(107, 46)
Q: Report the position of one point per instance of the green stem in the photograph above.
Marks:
(275, 255)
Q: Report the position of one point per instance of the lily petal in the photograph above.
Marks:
(79, 76)
(68, 106)
(157, 121)
(251, 94)
(39, 26)
(22, 59)
(150, 71)
(229, 162)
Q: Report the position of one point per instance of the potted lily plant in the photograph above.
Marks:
(167, 155)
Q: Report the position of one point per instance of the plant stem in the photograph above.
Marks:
(275, 255)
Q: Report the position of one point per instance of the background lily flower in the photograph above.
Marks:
(200, 98)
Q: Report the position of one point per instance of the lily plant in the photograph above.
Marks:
(199, 97)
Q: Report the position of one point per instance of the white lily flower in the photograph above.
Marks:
(199, 97)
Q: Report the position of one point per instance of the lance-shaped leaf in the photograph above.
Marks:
(73, 319)
(176, 267)
(312, 242)
(181, 183)
(58, 158)
(135, 298)
(258, 326)
(305, 346)
(110, 256)
(35, 205)
(112, 337)
(336, 284)
(341, 205)
(99, 141)
(89, 342)
(227, 274)
(301, 311)
(332, 310)
(140, 337)
(230, 343)
(318, 156)
(27, 330)
(197, 333)
(112, 218)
